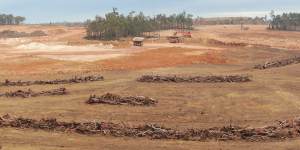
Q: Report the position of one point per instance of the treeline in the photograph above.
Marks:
(230, 20)
(11, 19)
(115, 25)
(286, 21)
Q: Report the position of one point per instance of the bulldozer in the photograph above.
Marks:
(175, 38)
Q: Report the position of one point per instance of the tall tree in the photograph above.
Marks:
(286, 21)
(10, 19)
(115, 25)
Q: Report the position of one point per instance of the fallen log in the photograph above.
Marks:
(30, 93)
(196, 79)
(278, 63)
(113, 99)
(287, 129)
(57, 81)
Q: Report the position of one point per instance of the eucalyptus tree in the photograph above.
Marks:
(115, 25)
(286, 21)
(11, 19)
(19, 19)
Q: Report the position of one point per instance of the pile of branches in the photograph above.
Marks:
(279, 131)
(278, 63)
(221, 43)
(113, 99)
(196, 79)
(57, 81)
(30, 93)
(15, 34)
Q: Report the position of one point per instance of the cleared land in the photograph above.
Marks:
(273, 94)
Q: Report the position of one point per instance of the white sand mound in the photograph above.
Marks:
(14, 41)
(51, 47)
(82, 58)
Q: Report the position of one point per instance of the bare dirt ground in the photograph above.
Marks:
(256, 35)
(273, 94)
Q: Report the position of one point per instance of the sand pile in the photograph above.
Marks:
(58, 47)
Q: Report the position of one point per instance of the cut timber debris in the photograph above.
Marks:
(231, 44)
(30, 93)
(15, 34)
(282, 130)
(113, 99)
(278, 63)
(63, 81)
(196, 79)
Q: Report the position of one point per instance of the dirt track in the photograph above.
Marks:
(272, 95)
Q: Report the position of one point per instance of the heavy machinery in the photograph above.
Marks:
(175, 38)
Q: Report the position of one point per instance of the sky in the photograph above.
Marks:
(45, 11)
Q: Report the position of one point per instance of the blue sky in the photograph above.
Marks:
(37, 11)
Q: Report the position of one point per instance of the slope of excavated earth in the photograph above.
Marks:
(271, 96)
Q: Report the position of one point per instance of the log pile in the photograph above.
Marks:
(222, 43)
(278, 63)
(30, 93)
(196, 79)
(113, 99)
(282, 130)
(57, 81)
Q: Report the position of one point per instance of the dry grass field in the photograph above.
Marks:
(272, 95)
